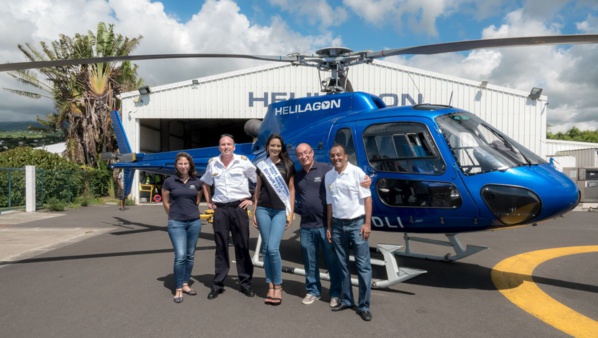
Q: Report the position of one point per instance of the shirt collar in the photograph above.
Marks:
(235, 159)
(177, 178)
(316, 165)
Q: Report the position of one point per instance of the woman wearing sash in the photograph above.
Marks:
(274, 201)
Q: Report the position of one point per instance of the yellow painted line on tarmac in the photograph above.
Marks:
(513, 278)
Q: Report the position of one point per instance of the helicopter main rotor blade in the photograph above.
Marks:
(326, 61)
(486, 43)
(72, 62)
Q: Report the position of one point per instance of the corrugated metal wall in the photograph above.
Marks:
(583, 157)
(555, 146)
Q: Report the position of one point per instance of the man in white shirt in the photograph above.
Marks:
(120, 194)
(229, 173)
(349, 225)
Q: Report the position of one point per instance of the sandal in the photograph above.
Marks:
(268, 299)
(178, 299)
(189, 290)
(277, 300)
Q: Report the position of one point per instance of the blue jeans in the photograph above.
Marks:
(345, 234)
(183, 235)
(271, 223)
(311, 241)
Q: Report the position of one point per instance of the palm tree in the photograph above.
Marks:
(83, 95)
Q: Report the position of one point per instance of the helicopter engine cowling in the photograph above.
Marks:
(252, 127)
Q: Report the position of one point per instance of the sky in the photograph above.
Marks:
(567, 74)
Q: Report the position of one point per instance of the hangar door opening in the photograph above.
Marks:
(159, 135)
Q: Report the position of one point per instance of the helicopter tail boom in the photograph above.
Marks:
(121, 138)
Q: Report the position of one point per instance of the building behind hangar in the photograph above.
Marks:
(193, 113)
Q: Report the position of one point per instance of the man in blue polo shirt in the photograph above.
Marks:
(311, 206)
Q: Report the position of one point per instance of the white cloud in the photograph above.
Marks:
(218, 27)
(314, 12)
(567, 74)
(32, 21)
(417, 16)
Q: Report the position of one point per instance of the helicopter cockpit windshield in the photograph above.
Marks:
(480, 148)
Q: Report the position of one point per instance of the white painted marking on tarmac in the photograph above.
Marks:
(23, 243)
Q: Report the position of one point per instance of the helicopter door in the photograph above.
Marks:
(410, 177)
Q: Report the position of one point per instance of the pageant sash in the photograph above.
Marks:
(276, 181)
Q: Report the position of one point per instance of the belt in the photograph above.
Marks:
(232, 204)
(348, 220)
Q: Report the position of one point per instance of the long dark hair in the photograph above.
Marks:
(284, 155)
(192, 172)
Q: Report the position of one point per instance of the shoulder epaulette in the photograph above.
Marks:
(244, 157)
(212, 159)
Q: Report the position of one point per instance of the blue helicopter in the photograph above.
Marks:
(434, 168)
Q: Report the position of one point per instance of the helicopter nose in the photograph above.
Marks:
(558, 192)
(560, 198)
(538, 195)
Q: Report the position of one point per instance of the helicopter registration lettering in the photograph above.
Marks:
(381, 222)
(309, 107)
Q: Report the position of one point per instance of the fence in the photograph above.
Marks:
(63, 185)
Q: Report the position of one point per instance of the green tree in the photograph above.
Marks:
(83, 95)
(574, 134)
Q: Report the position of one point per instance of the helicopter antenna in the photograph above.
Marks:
(414, 83)
(451, 99)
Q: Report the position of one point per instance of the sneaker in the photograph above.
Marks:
(334, 302)
(309, 299)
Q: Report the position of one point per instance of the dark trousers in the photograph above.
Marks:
(232, 220)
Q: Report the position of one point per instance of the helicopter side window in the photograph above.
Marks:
(402, 147)
(345, 139)
(412, 193)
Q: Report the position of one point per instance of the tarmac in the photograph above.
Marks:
(97, 271)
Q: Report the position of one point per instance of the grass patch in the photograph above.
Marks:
(54, 204)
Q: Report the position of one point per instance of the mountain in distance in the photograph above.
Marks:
(19, 125)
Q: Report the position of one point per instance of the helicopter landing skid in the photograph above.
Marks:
(394, 273)
(453, 241)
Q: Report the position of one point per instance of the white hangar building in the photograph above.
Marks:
(194, 113)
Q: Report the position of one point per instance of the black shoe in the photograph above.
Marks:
(214, 293)
(247, 291)
(342, 307)
(365, 315)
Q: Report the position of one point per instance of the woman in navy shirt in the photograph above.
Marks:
(181, 195)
